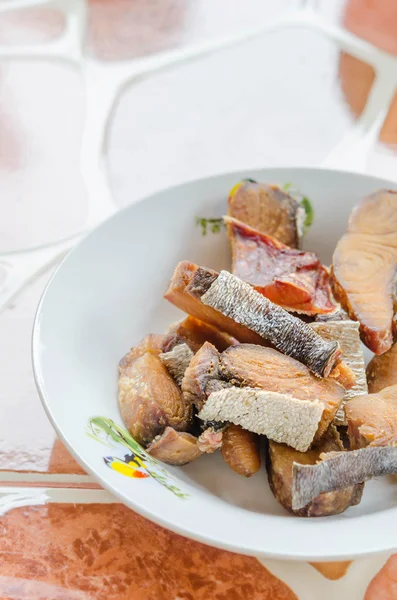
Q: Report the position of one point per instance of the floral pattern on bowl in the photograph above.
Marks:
(137, 464)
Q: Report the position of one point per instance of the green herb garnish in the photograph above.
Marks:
(215, 225)
(304, 202)
(307, 205)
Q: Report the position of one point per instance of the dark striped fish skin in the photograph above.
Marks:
(280, 460)
(238, 301)
(339, 470)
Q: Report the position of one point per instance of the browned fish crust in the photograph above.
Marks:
(364, 269)
(241, 451)
(174, 447)
(372, 419)
(152, 343)
(268, 369)
(249, 316)
(198, 332)
(203, 368)
(268, 209)
(382, 371)
(280, 461)
(150, 399)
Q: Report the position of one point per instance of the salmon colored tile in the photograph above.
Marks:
(332, 570)
(384, 584)
(30, 26)
(61, 461)
(42, 192)
(27, 440)
(376, 23)
(107, 552)
(120, 29)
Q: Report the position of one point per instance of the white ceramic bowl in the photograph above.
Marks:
(107, 295)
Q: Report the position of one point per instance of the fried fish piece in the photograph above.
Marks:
(203, 368)
(382, 370)
(291, 278)
(234, 306)
(372, 419)
(364, 269)
(152, 343)
(177, 361)
(280, 417)
(280, 460)
(340, 470)
(149, 399)
(174, 447)
(197, 332)
(240, 450)
(346, 332)
(268, 209)
(268, 369)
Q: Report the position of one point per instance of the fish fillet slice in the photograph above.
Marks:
(364, 268)
(382, 370)
(280, 460)
(198, 332)
(347, 334)
(268, 209)
(291, 278)
(174, 447)
(177, 361)
(372, 419)
(268, 369)
(280, 417)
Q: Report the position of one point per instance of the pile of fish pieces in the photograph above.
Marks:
(242, 367)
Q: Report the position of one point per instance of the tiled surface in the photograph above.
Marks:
(109, 553)
(237, 108)
(255, 105)
(34, 26)
(121, 29)
(41, 109)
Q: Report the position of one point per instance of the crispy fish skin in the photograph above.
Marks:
(240, 302)
(382, 371)
(339, 470)
(177, 361)
(280, 417)
(203, 368)
(268, 209)
(268, 369)
(174, 447)
(198, 332)
(149, 399)
(372, 419)
(291, 278)
(184, 296)
(364, 269)
(346, 332)
(280, 459)
(240, 450)
(243, 313)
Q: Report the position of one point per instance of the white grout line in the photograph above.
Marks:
(20, 477)
(14, 497)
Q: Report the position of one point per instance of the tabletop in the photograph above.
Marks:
(284, 96)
